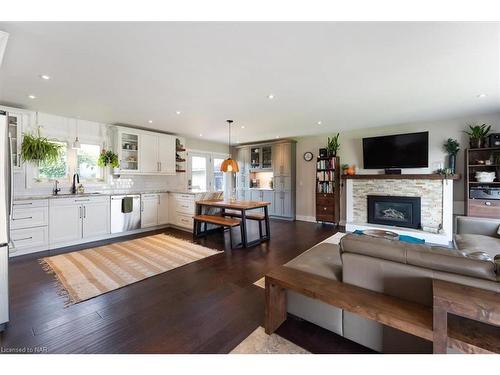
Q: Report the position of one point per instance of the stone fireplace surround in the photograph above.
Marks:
(436, 195)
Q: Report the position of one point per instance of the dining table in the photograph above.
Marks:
(242, 207)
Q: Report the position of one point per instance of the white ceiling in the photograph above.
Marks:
(346, 75)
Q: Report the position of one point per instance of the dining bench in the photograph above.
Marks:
(223, 222)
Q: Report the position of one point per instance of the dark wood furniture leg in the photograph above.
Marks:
(440, 330)
(268, 230)
(244, 241)
(275, 312)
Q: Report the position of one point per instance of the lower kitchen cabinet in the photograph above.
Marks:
(149, 210)
(283, 204)
(96, 219)
(74, 219)
(163, 209)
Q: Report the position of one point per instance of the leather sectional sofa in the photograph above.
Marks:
(398, 269)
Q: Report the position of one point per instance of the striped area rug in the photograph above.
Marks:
(88, 273)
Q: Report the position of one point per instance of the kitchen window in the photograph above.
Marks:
(86, 160)
(82, 161)
(57, 170)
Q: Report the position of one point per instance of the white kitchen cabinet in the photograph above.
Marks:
(283, 205)
(29, 226)
(148, 146)
(74, 219)
(255, 195)
(65, 223)
(282, 159)
(166, 154)
(128, 150)
(145, 152)
(149, 210)
(96, 220)
(163, 208)
(268, 196)
(182, 209)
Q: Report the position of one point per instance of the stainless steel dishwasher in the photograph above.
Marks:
(121, 221)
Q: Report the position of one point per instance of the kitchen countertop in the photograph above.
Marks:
(99, 194)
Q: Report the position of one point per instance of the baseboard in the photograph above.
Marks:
(310, 219)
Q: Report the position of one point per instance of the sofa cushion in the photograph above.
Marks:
(471, 243)
(435, 258)
(322, 259)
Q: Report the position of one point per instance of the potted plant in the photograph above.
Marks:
(477, 135)
(451, 147)
(333, 145)
(36, 149)
(108, 159)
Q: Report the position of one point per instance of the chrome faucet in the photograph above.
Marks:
(76, 179)
(56, 189)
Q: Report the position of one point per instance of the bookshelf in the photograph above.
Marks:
(328, 189)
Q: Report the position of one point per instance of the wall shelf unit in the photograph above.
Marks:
(482, 160)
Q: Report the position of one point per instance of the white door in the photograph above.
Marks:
(149, 153)
(166, 154)
(198, 166)
(65, 223)
(149, 211)
(163, 209)
(96, 219)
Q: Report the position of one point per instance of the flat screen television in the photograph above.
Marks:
(396, 151)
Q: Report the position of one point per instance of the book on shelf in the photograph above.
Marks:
(325, 175)
(325, 187)
(326, 163)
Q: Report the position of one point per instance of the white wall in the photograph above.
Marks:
(351, 153)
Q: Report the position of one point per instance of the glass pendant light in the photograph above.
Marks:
(229, 165)
(76, 143)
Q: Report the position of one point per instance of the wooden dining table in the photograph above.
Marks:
(242, 207)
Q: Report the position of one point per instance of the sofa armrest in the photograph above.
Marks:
(477, 225)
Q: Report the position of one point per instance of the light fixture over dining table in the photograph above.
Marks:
(229, 165)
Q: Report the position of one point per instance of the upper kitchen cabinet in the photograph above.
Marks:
(128, 151)
(242, 156)
(144, 152)
(19, 121)
(261, 157)
(283, 158)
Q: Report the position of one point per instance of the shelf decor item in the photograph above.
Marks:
(477, 135)
(451, 147)
(108, 158)
(333, 145)
(485, 176)
(229, 165)
(36, 149)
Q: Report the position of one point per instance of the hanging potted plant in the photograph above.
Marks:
(333, 145)
(108, 159)
(36, 149)
(451, 147)
(477, 135)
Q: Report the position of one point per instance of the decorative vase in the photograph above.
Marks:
(452, 162)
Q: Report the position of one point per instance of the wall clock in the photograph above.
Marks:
(308, 156)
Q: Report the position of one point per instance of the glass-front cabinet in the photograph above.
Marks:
(15, 122)
(129, 151)
(261, 157)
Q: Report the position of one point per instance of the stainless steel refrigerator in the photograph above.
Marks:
(5, 211)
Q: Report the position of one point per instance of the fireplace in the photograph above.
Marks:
(393, 210)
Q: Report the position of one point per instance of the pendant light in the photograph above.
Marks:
(229, 165)
(76, 143)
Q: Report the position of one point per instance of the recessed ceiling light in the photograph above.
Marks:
(32, 96)
(177, 112)
(270, 96)
(480, 96)
(150, 121)
(277, 136)
(243, 126)
(237, 141)
(201, 135)
(45, 77)
(319, 122)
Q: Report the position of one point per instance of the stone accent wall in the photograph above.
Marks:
(429, 191)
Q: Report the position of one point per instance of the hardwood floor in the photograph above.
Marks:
(208, 306)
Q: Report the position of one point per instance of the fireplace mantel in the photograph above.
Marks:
(427, 176)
